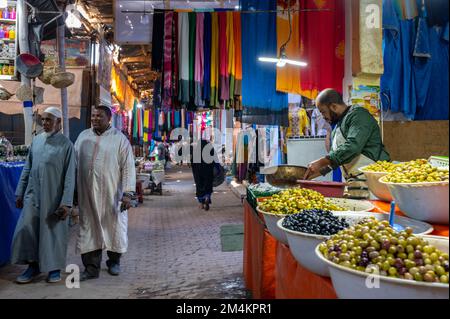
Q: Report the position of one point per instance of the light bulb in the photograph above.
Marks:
(145, 19)
(72, 21)
(281, 63)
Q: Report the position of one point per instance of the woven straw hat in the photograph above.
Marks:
(24, 93)
(62, 80)
(4, 94)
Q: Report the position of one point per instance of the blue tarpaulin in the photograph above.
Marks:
(9, 214)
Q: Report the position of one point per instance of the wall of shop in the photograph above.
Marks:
(417, 139)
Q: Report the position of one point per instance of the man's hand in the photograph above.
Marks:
(126, 203)
(62, 212)
(314, 168)
(19, 202)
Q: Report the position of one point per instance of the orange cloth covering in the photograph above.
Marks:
(270, 270)
(288, 78)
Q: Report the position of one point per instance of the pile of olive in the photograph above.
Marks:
(373, 246)
(315, 221)
(381, 166)
(418, 171)
(294, 200)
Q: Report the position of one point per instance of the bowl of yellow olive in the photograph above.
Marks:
(373, 173)
(288, 202)
(370, 260)
(421, 191)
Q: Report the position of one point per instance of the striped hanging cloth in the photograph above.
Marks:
(175, 60)
(141, 127)
(192, 31)
(199, 61)
(169, 122)
(146, 125)
(223, 58)
(183, 118)
(135, 123)
(183, 57)
(231, 55)
(207, 56)
(238, 60)
(214, 101)
(177, 119)
(167, 65)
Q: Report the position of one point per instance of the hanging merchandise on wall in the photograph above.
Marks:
(415, 55)
(201, 59)
(262, 104)
(322, 46)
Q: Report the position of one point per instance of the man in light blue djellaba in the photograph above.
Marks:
(45, 192)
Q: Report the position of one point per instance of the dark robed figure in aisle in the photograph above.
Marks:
(45, 192)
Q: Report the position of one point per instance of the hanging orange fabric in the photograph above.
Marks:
(231, 54)
(288, 78)
(322, 46)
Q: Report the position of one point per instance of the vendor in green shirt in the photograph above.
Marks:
(356, 138)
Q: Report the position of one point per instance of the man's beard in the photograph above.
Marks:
(334, 118)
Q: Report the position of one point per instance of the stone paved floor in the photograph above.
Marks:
(174, 252)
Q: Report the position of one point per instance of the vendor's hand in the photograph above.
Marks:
(314, 168)
(19, 202)
(126, 203)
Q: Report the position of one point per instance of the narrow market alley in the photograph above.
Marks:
(174, 252)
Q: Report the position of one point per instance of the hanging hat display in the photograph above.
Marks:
(24, 93)
(62, 79)
(4, 94)
(29, 65)
(38, 95)
(47, 74)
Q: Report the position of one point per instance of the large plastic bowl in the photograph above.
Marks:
(328, 189)
(353, 284)
(354, 205)
(379, 189)
(271, 223)
(302, 246)
(423, 201)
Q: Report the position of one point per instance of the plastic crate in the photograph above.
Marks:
(439, 162)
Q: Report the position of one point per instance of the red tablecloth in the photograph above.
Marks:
(270, 270)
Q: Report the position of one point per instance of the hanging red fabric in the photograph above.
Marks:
(322, 45)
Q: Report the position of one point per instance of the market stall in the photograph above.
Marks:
(9, 175)
(280, 261)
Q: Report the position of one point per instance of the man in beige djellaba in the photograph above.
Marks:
(106, 182)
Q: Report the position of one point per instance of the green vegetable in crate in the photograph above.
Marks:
(373, 246)
(294, 200)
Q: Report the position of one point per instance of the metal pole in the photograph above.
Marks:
(24, 46)
(62, 64)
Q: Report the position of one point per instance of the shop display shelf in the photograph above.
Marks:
(353, 284)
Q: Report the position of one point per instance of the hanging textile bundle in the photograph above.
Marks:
(167, 66)
(199, 60)
(183, 57)
(262, 103)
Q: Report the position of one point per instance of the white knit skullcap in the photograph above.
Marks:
(56, 112)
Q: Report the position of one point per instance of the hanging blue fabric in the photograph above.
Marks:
(397, 85)
(430, 59)
(262, 104)
(177, 119)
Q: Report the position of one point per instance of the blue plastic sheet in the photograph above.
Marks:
(9, 214)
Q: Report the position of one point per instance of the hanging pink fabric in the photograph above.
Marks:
(167, 65)
(199, 60)
(223, 59)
